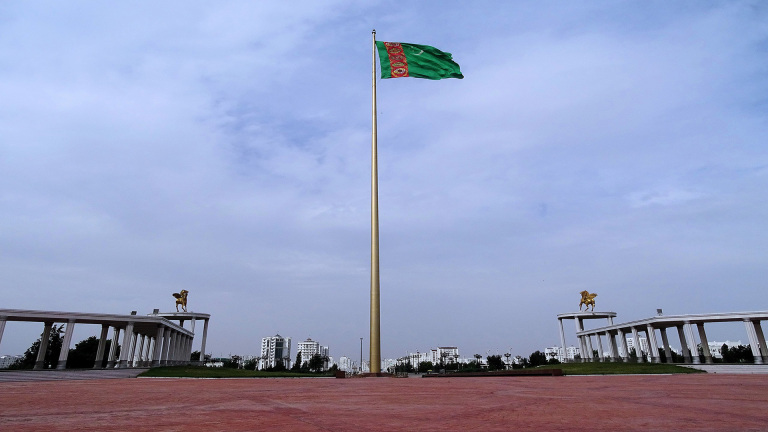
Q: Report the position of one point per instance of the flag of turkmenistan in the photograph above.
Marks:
(400, 60)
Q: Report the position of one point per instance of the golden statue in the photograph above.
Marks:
(181, 299)
(587, 299)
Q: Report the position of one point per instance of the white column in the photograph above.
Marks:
(692, 343)
(172, 351)
(64, 353)
(3, 319)
(126, 348)
(614, 347)
(761, 340)
(637, 346)
(582, 343)
(562, 342)
(754, 345)
(623, 338)
(684, 345)
(599, 347)
(589, 347)
(164, 351)
(665, 341)
(40, 361)
(102, 345)
(113, 348)
(205, 337)
(611, 346)
(653, 345)
(136, 359)
(159, 342)
(704, 343)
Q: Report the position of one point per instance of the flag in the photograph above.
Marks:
(400, 60)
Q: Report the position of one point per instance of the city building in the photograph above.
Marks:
(275, 349)
(557, 353)
(7, 360)
(309, 348)
(346, 364)
(716, 347)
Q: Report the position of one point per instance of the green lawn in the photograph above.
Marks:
(210, 372)
(620, 368)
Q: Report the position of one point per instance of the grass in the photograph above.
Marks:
(620, 368)
(210, 372)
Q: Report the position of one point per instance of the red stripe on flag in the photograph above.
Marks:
(397, 61)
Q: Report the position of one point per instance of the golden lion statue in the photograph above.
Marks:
(587, 299)
(181, 299)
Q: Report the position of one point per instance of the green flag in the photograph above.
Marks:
(400, 60)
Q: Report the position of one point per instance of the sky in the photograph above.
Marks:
(225, 148)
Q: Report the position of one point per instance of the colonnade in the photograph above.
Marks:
(145, 341)
(684, 324)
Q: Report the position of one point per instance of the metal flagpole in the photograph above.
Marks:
(375, 339)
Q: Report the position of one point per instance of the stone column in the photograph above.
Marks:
(112, 358)
(159, 342)
(40, 361)
(64, 353)
(623, 339)
(665, 341)
(126, 349)
(166, 346)
(139, 348)
(761, 340)
(599, 347)
(589, 347)
(172, 348)
(684, 345)
(754, 345)
(149, 353)
(102, 345)
(692, 343)
(582, 343)
(205, 337)
(559, 321)
(3, 319)
(614, 347)
(704, 343)
(653, 345)
(636, 345)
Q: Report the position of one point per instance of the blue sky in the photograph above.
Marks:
(615, 146)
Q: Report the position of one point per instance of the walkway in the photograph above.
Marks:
(68, 374)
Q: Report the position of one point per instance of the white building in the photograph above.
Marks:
(346, 364)
(631, 344)
(273, 350)
(716, 347)
(7, 360)
(556, 352)
(309, 348)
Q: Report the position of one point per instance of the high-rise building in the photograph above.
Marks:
(275, 349)
(556, 352)
(309, 348)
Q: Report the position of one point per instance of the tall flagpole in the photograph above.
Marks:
(375, 339)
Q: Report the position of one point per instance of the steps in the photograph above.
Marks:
(71, 374)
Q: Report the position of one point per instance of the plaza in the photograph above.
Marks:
(697, 402)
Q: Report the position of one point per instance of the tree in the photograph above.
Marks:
(83, 356)
(426, 366)
(316, 363)
(251, 364)
(537, 358)
(55, 340)
(495, 363)
(297, 364)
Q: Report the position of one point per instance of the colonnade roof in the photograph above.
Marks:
(142, 323)
(664, 321)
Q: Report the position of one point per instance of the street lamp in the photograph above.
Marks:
(361, 355)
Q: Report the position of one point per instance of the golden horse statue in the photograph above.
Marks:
(181, 299)
(587, 299)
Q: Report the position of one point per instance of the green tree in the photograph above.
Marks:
(55, 340)
(297, 364)
(316, 363)
(251, 364)
(83, 356)
(495, 362)
(537, 358)
(426, 366)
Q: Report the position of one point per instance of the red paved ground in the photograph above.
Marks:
(614, 403)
